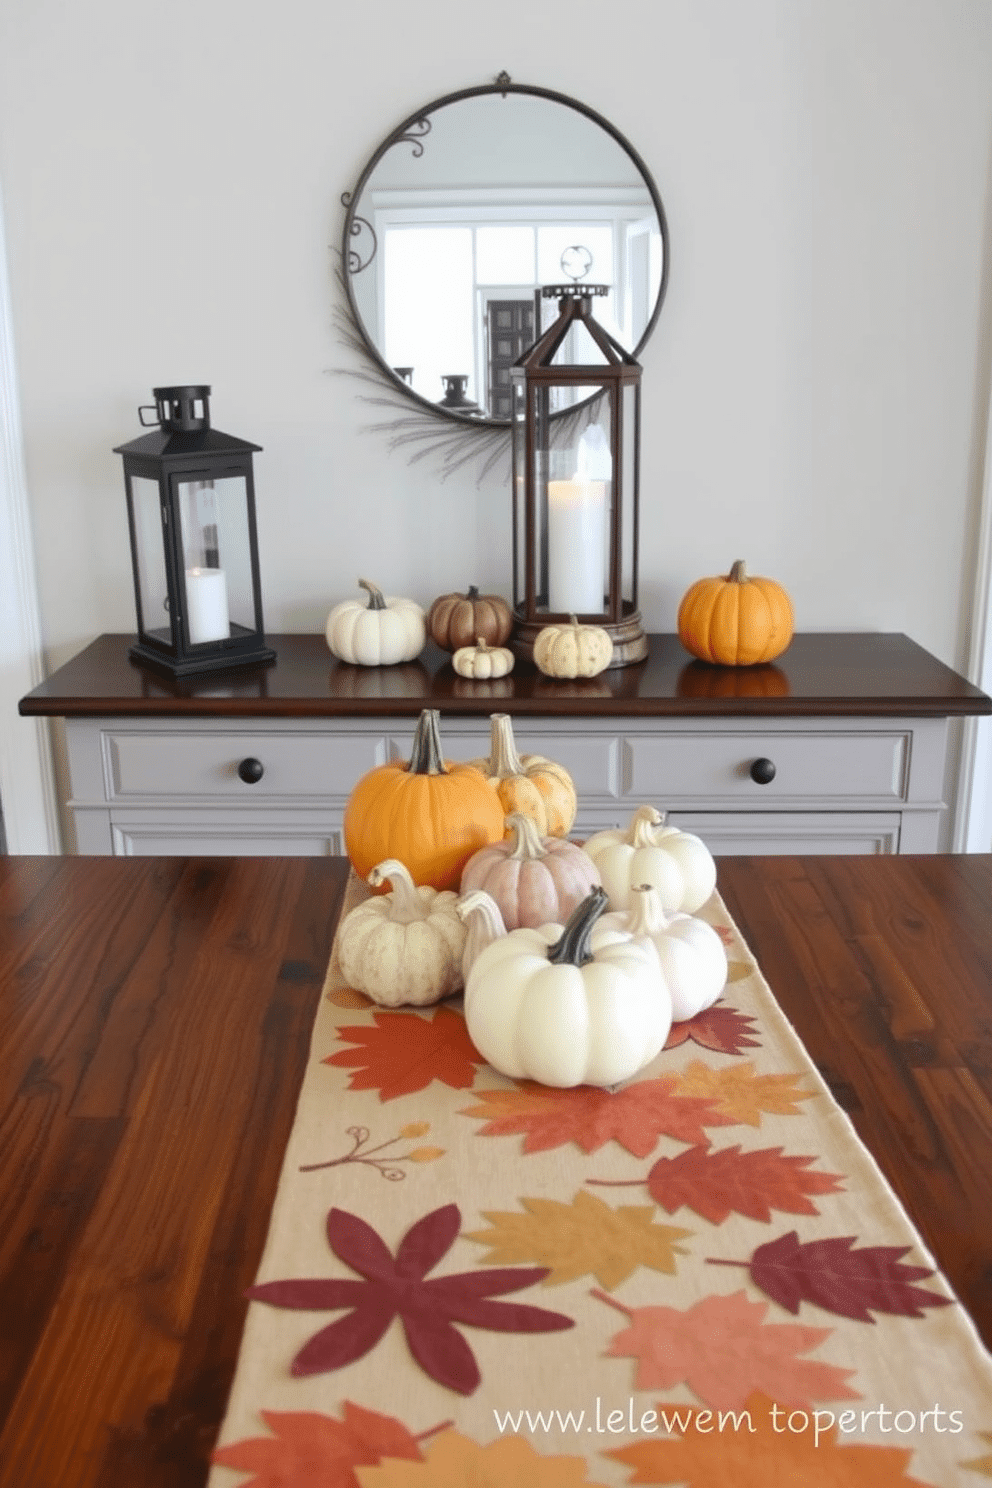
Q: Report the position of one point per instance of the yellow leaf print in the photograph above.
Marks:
(453, 1461)
(425, 1154)
(583, 1237)
(741, 1094)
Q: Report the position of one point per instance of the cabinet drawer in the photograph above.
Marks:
(205, 763)
(821, 766)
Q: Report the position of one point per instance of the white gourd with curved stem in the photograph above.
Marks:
(483, 922)
(568, 1005)
(678, 864)
(533, 879)
(404, 947)
(691, 954)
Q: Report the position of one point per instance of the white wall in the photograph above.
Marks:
(815, 393)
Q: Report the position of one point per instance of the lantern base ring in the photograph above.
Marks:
(192, 666)
(630, 642)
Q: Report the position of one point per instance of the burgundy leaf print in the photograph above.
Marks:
(839, 1278)
(399, 1287)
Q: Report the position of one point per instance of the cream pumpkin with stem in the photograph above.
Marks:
(690, 953)
(380, 633)
(533, 879)
(405, 946)
(678, 864)
(529, 783)
(568, 1004)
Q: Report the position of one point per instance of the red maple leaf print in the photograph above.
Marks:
(717, 1183)
(399, 1287)
(403, 1052)
(839, 1278)
(722, 1029)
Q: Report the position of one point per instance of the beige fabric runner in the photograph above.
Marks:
(739, 1297)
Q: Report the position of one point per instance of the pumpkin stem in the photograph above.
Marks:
(473, 591)
(407, 905)
(527, 845)
(640, 832)
(738, 573)
(481, 915)
(426, 757)
(481, 643)
(503, 757)
(376, 600)
(572, 949)
(646, 915)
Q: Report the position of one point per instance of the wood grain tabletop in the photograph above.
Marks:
(155, 1017)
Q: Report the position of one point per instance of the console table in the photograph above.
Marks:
(839, 747)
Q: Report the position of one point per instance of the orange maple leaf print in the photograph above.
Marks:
(755, 1448)
(307, 1447)
(455, 1461)
(722, 1348)
(404, 1052)
(634, 1116)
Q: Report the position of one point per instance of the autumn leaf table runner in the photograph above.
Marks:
(700, 1278)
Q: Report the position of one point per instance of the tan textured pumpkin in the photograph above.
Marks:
(572, 650)
(456, 620)
(529, 783)
(736, 620)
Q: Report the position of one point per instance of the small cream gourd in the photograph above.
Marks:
(572, 650)
(691, 954)
(405, 946)
(568, 1005)
(482, 662)
(533, 879)
(678, 864)
(382, 632)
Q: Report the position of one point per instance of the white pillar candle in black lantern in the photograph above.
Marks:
(194, 548)
(576, 439)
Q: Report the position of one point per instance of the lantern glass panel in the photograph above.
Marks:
(626, 495)
(577, 502)
(152, 595)
(519, 390)
(216, 558)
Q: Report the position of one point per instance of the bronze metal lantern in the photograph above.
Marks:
(194, 548)
(576, 439)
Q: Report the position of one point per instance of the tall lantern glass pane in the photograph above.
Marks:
(519, 392)
(152, 598)
(579, 505)
(630, 445)
(216, 558)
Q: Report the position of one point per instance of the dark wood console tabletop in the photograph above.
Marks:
(155, 1017)
(821, 674)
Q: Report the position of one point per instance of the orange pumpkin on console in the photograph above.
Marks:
(430, 814)
(736, 620)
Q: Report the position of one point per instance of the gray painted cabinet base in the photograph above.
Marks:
(171, 785)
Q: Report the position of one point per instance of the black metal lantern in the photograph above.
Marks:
(576, 439)
(194, 549)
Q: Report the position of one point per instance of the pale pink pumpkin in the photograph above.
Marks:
(534, 880)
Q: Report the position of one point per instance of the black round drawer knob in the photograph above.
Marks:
(251, 770)
(763, 771)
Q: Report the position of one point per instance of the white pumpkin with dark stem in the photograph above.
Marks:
(404, 947)
(380, 633)
(533, 879)
(678, 864)
(567, 1005)
(691, 954)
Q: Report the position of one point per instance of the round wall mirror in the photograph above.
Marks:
(465, 211)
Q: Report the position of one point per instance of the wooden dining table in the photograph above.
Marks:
(155, 1016)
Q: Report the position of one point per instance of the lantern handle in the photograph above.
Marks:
(148, 408)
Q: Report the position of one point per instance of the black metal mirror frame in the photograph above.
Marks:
(413, 131)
